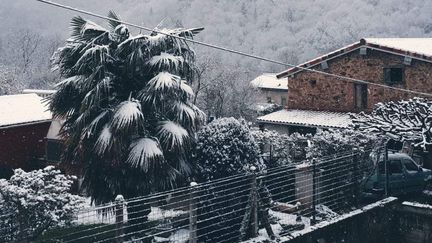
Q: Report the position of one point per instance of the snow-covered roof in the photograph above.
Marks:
(417, 48)
(308, 118)
(421, 46)
(269, 81)
(22, 109)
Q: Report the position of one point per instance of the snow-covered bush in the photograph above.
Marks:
(225, 147)
(274, 147)
(263, 109)
(334, 142)
(278, 149)
(32, 202)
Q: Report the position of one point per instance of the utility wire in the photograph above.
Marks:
(354, 80)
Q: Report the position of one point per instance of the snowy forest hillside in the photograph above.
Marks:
(289, 30)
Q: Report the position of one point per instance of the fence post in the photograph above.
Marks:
(254, 203)
(119, 207)
(314, 182)
(193, 214)
(386, 168)
(355, 176)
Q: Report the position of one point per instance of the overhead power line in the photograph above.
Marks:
(354, 80)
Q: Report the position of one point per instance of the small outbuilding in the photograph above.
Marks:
(24, 123)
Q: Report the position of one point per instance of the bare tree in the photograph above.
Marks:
(28, 43)
(407, 120)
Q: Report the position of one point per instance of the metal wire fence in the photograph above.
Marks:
(266, 204)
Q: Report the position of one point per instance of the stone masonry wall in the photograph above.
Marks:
(314, 91)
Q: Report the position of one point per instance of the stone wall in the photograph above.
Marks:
(314, 91)
(373, 224)
(386, 221)
(415, 222)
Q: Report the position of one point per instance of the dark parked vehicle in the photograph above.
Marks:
(405, 176)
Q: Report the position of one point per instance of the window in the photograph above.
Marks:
(283, 101)
(395, 167)
(360, 96)
(410, 165)
(269, 99)
(394, 75)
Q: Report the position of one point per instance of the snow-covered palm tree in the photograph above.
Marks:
(127, 107)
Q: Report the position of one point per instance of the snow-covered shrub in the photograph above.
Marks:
(334, 142)
(273, 147)
(32, 202)
(225, 147)
(263, 109)
(278, 149)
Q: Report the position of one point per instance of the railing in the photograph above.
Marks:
(266, 204)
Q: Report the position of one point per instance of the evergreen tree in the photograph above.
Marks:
(127, 107)
(226, 147)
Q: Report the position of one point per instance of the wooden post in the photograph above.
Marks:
(386, 167)
(314, 182)
(355, 177)
(193, 214)
(254, 203)
(119, 207)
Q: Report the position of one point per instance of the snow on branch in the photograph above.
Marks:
(406, 120)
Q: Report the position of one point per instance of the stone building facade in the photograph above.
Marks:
(374, 63)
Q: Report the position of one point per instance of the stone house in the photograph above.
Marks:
(271, 89)
(318, 100)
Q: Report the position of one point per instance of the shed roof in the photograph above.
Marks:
(22, 109)
(308, 118)
(417, 48)
(269, 81)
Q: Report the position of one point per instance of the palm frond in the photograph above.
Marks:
(186, 89)
(128, 115)
(143, 152)
(95, 124)
(189, 32)
(163, 82)
(171, 135)
(63, 102)
(185, 115)
(104, 140)
(98, 94)
(85, 30)
(166, 62)
(112, 23)
(200, 116)
(94, 57)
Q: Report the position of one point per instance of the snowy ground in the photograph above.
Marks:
(105, 214)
